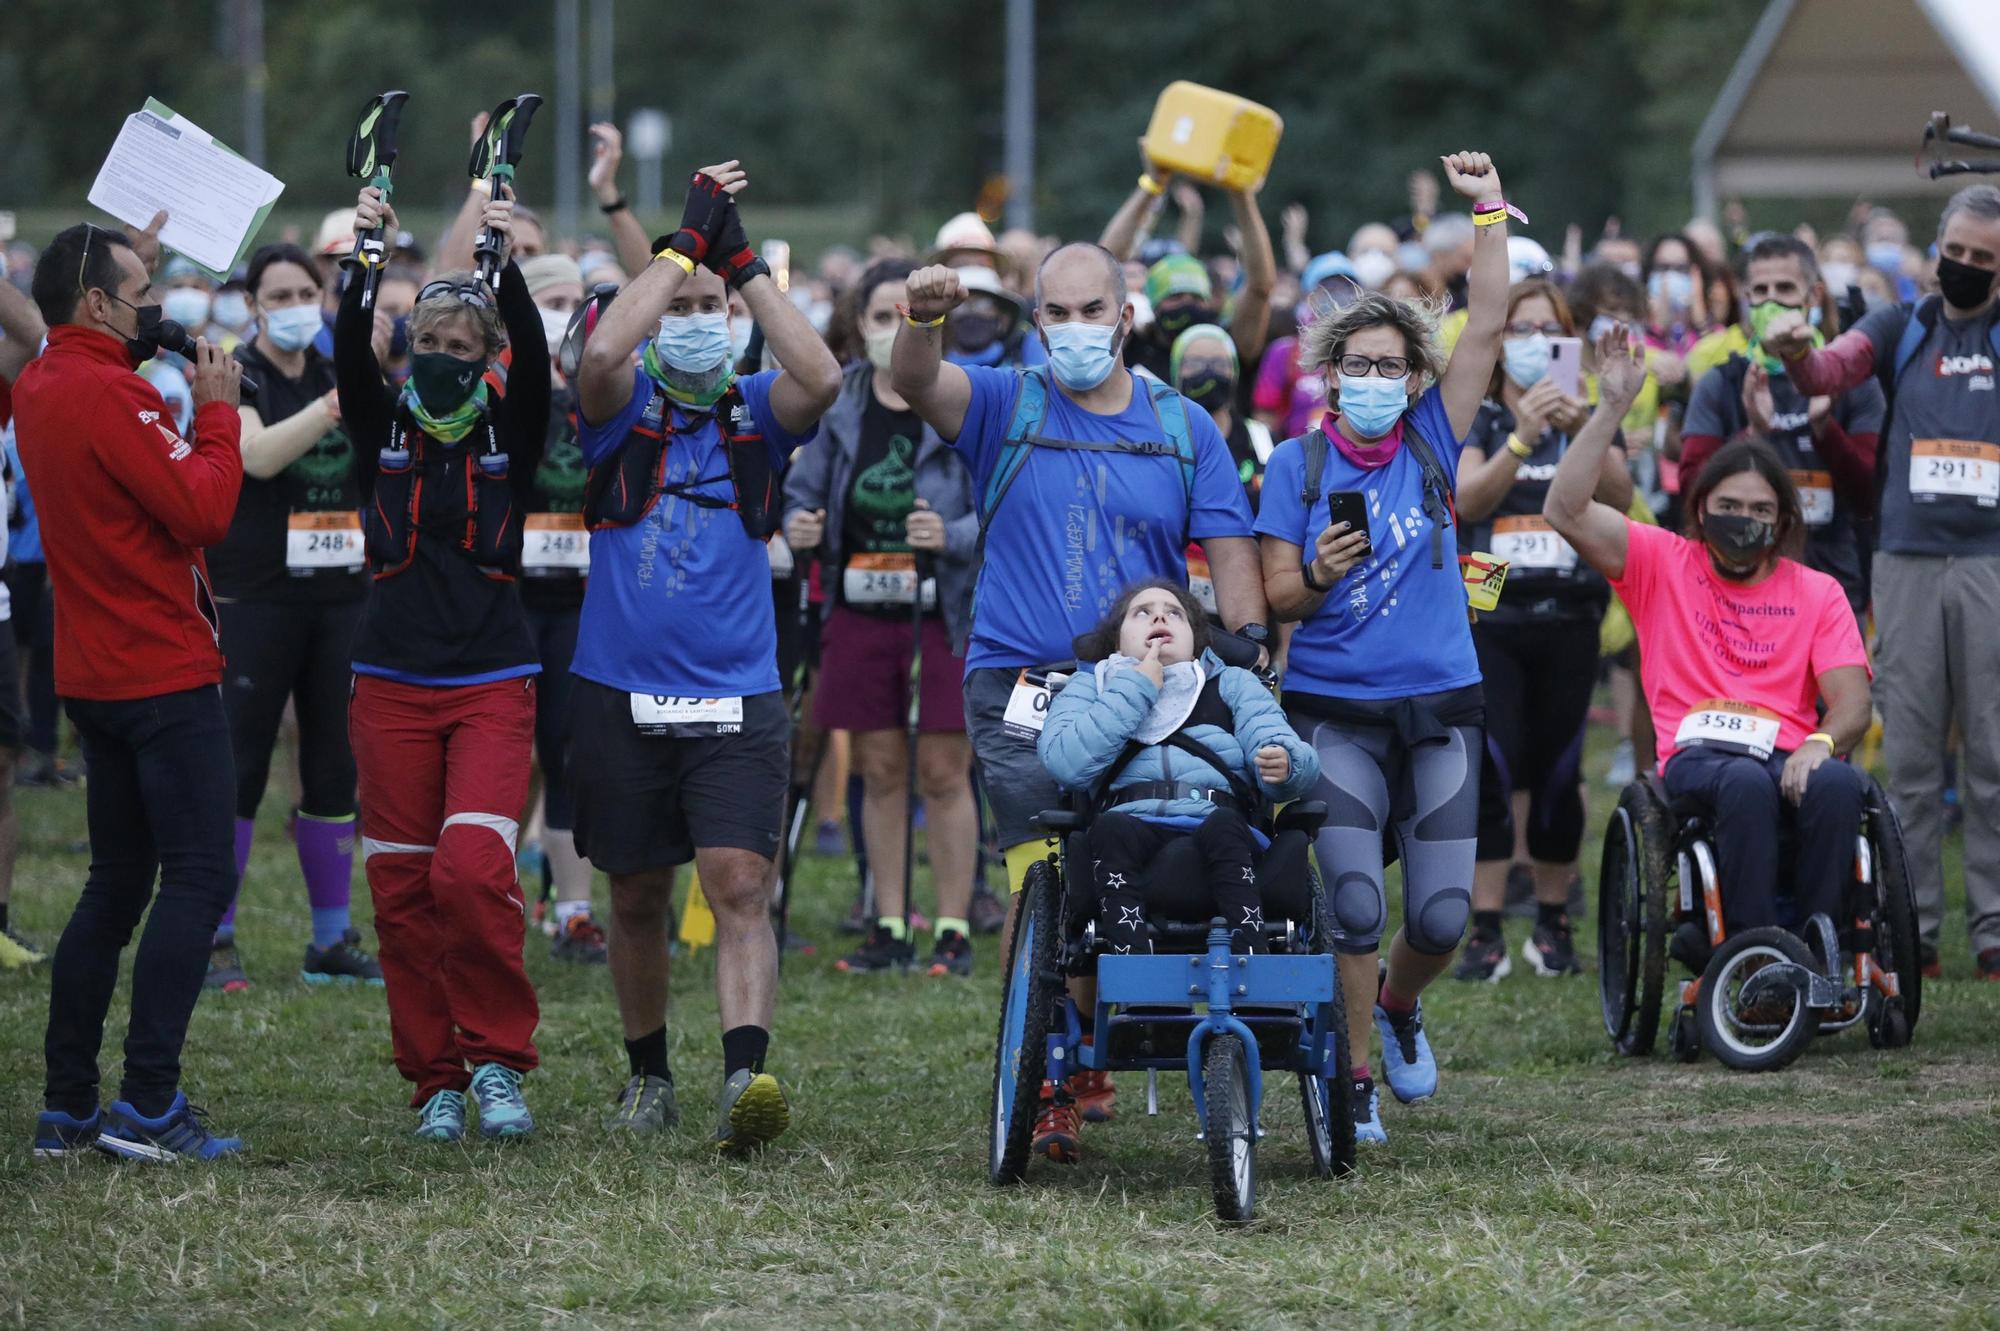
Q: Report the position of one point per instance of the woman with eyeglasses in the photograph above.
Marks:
(289, 585)
(443, 710)
(1382, 678)
(1538, 648)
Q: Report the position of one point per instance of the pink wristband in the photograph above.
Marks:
(1490, 207)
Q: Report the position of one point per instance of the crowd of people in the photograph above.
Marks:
(595, 553)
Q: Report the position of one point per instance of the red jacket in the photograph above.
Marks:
(126, 506)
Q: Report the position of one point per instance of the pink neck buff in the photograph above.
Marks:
(1371, 457)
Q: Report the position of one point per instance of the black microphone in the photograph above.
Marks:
(171, 336)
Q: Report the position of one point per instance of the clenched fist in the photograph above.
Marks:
(934, 292)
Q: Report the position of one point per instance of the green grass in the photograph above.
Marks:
(1549, 1184)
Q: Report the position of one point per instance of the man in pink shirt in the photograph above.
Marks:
(1739, 643)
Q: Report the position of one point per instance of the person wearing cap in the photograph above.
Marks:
(991, 327)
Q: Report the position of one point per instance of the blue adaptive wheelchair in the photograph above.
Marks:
(1754, 998)
(1224, 1019)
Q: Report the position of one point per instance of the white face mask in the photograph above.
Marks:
(881, 345)
(740, 327)
(554, 324)
(186, 306)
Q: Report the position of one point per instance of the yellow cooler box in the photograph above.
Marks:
(1214, 136)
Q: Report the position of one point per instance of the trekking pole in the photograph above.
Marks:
(801, 794)
(371, 151)
(924, 567)
(495, 154)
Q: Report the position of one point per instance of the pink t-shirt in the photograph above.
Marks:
(1703, 638)
(1282, 391)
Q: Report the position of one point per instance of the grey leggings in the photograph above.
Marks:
(1359, 767)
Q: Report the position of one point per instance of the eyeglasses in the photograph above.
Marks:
(1526, 329)
(1386, 367)
(475, 294)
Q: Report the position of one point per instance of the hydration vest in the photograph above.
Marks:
(622, 489)
(459, 495)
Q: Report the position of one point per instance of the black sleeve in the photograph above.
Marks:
(522, 419)
(367, 405)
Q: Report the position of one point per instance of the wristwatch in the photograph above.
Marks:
(1313, 584)
(1257, 635)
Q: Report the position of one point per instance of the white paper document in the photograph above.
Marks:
(214, 198)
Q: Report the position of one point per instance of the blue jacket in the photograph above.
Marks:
(1086, 731)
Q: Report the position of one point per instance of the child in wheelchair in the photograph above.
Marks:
(1171, 743)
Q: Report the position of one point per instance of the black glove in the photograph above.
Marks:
(703, 216)
(732, 259)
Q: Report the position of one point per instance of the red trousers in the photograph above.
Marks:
(444, 774)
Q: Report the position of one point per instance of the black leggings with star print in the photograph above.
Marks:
(1122, 848)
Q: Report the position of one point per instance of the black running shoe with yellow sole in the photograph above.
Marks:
(754, 1112)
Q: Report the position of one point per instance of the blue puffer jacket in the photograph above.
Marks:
(1087, 729)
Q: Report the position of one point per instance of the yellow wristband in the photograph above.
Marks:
(1150, 185)
(1519, 449)
(904, 310)
(1488, 219)
(1823, 738)
(676, 257)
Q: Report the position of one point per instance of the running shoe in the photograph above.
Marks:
(179, 1134)
(17, 952)
(581, 940)
(502, 1111)
(341, 963)
(880, 953)
(754, 1112)
(645, 1107)
(1094, 1094)
(58, 1134)
(1366, 1106)
(1551, 950)
(1989, 963)
(1058, 1128)
(828, 838)
(952, 955)
(442, 1119)
(988, 914)
(225, 971)
(1406, 1054)
(1484, 958)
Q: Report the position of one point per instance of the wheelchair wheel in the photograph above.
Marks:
(1232, 1144)
(1019, 1061)
(1738, 1037)
(1684, 1037)
(1632, 920)
(1329, 1125)
(1897, 946)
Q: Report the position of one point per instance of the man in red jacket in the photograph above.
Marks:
(128, 505)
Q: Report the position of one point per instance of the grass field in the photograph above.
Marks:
(1548, 1184)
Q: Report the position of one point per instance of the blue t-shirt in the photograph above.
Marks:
(24, 543)
(1394, 627)
(679, 603)
(1079, 526)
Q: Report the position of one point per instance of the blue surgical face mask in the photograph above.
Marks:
(187, 306)
(1886, 255)
(1526, 359)
(1082, 355)
(1412, 257)
(1601, 325)
(1373, 405)
(292, 328)
(1672, 286)
(230, 310)
(693, 343)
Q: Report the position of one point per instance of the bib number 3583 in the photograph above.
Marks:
(1732, 727)
(686, 718)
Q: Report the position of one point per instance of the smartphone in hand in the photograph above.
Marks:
(1566, 365)
(1351, 507)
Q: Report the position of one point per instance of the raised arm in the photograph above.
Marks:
(1134, 217)
(522, 420)
(1597, 530)
(1832, 369)
(937, 391)
(24, 329)
(628, 237)
(1463, 387)
(367, 403)
(1249, 323)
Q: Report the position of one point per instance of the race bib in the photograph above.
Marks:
(889, 579)
(1955, 468)
(1815, 496)
(1200, 581)
(686, 718)
(319, 542)
(555, 544)
(1027, 708)
(1529, 544)
(1733, 727)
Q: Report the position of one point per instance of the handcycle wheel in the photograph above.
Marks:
(1232, 1144)
(1632, 921)
(1019, 1063)
(1892, 1021)
(1329, 1124)
(1741, 1044)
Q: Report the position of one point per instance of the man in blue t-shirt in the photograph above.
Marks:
(679, 723)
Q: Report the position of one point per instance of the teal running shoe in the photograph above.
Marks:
(502, 1111)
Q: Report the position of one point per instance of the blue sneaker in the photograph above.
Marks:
(1406, 1055)
(179, 1134)
(1366, 1107)
(442, 1119)
(502, 1111)
(58, 1134)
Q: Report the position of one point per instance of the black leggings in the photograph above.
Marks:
(298, 650)
(1122, 847)
(554, 634)
(35, 636)
(1539, 677)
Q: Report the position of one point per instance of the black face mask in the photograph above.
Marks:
(1962, 285)
(973, 331)
(1212, 389)
(443, 381)
(1737, 543)
(145, 339)
(1180, 318)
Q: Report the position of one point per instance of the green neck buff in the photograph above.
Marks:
(1760, 322)
(650, 358)
(453, 425)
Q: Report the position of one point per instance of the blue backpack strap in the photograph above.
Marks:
(1440, 505)
(1170, 410)
(1031, 408)
(1916, 327)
